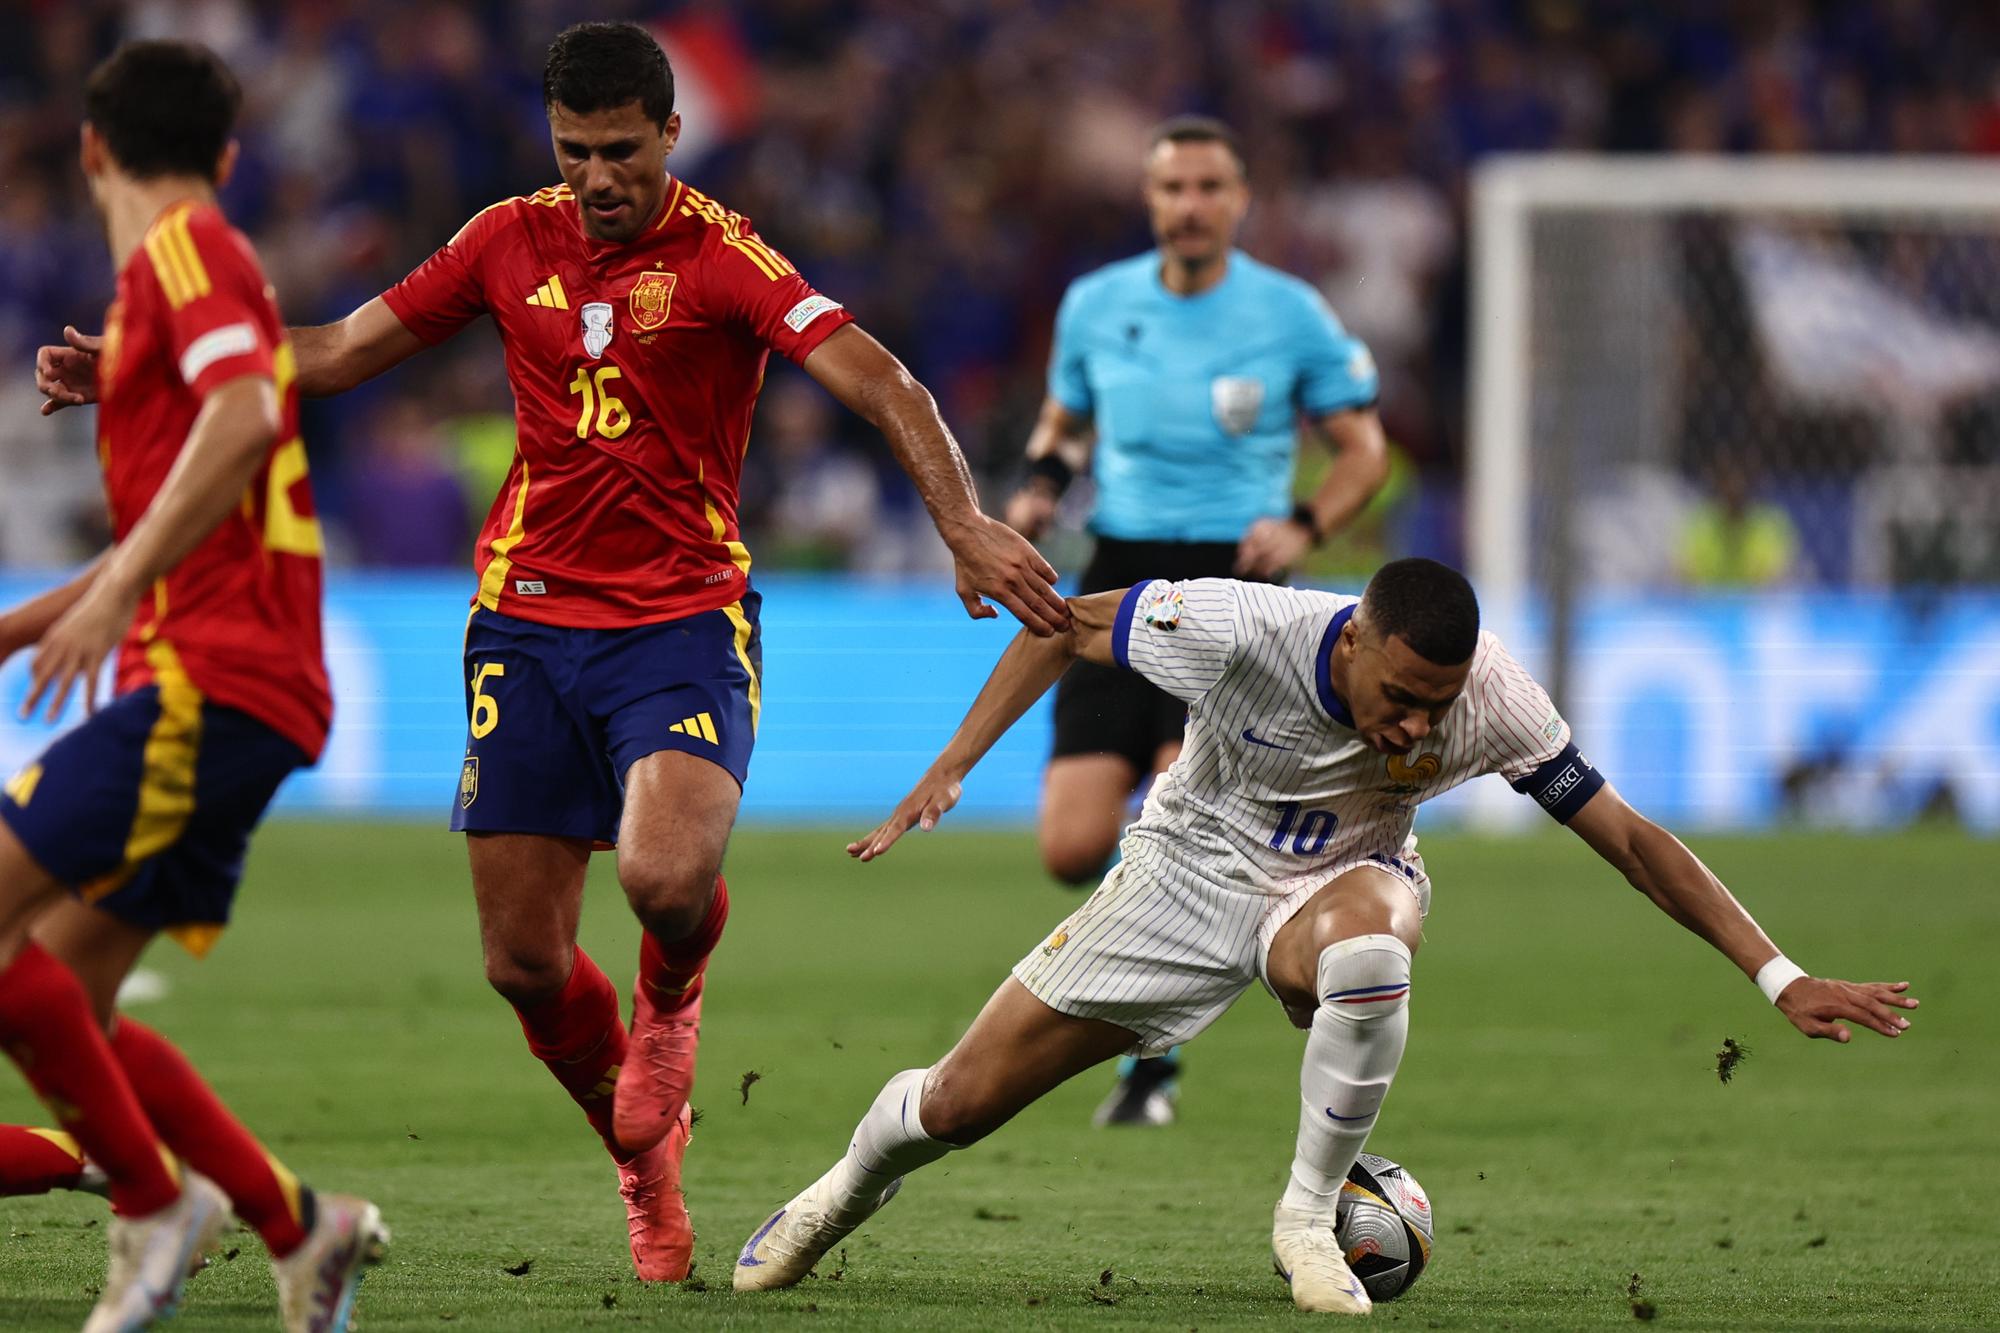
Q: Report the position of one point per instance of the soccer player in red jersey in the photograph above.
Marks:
(612, 658)
(136, 821)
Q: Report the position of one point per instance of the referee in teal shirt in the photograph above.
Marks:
(1182, 379)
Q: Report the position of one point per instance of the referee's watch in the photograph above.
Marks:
(1302, 514)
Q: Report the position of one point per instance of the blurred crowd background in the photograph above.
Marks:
(945, 168)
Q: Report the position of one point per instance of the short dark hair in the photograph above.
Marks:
(1196, 129)
(1427, 605)
(163, 108)
(602, 66)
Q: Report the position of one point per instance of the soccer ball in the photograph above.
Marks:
(1384, 1225)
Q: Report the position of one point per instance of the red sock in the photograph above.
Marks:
(194, 1123)
(578, 1035)
(35, 1161)
(672, 971)
(47, 1027)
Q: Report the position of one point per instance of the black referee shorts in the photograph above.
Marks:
(1102, 710)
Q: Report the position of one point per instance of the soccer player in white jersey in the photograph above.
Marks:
(1277, 848)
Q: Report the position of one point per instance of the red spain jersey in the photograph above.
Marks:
(635, 371)
(239, 616)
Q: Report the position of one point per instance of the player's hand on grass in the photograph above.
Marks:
(927, 803)
(1031, 510)
(995, 561)
(1272, 546)
(67, 375)
(1822, 1007)
(75, 647)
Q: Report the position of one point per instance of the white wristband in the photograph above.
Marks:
(1774, 976)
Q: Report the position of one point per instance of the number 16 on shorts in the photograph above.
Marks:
(485, 708)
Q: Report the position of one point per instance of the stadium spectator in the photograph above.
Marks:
(953, 201)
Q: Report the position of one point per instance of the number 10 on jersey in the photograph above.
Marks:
(1308, 830)
(611, 418)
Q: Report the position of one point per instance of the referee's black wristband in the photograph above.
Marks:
(1302, 514)
(1052, 469)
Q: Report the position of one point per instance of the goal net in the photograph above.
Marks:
(1705, 373)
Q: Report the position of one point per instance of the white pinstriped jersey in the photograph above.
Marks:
(1273, 789)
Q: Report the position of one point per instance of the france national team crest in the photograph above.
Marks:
(652, 300)
(1407, 777)
(596, 328)
(1237, 401)
(468, 782)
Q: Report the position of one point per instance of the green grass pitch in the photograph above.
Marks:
(1559, 1101)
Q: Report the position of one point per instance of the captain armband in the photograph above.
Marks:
(1563, 785)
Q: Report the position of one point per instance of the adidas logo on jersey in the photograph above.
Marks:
(701, 726)
(550, 295)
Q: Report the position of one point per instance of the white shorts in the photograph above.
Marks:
(1165, 958)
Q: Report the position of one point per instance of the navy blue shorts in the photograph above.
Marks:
(146, 808)
(555, 716)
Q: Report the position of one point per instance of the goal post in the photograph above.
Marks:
(1649, 333)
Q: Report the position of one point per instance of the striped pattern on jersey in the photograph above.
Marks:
(1273, 788)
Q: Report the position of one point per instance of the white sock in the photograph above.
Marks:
(1352, 1052)
(889, 1142)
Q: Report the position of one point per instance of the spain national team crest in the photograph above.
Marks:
(596, 328)
(468, 782)
(652, 300)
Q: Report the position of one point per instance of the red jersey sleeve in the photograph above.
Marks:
(214, 297)
(768, 298)
(448, 291)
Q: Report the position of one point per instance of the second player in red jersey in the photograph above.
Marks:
(136, 821)
(635, 369)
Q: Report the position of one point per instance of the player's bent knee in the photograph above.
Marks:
(526, 980)
(1076, 864)
(669, 899)
(1364, 979)
(954, 1111)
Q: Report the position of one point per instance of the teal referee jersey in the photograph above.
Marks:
(1196, 399)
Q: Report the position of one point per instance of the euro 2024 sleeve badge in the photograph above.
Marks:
(1163, 608)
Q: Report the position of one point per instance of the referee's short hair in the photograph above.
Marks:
(1196, 129)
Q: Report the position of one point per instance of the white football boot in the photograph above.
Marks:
(152, 1256)
(797, 1236)
(1307, 1254)
(317, 1282)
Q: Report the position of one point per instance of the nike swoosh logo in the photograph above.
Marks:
(1249, 734)
(1364, 1116)
(749, 1259)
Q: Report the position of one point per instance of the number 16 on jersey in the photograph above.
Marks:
(612, 420)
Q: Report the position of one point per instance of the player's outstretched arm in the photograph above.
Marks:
(1360, 466)
(1058, 449)
(1031, 664)
(333, 358)
(231, 437)
(1660, 866)
(993, 560)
